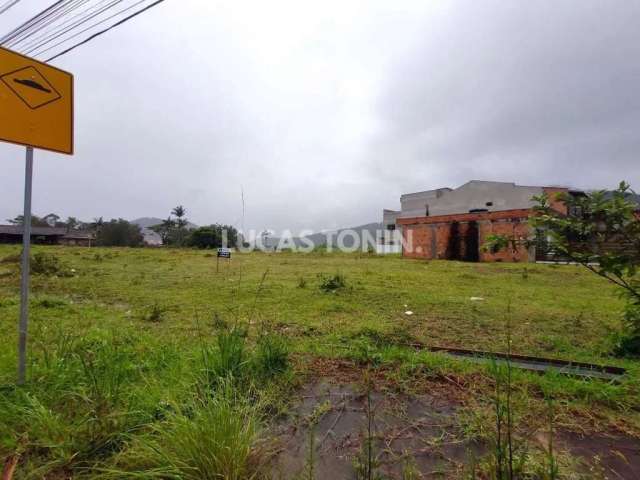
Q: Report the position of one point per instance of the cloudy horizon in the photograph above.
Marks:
(324, 114)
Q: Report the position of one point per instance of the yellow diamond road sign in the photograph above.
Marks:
(31, 86)
(36, 103)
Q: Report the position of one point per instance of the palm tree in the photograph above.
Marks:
(169, 223)
(181, 223)
(97, 224)
(180, 212)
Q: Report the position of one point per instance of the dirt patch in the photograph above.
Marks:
(612, 456)
(451, 387)
(420, 431)
(409, 432)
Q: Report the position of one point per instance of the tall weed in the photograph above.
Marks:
(227, 359)
(366, 464)
(271, 355)
(212, 438)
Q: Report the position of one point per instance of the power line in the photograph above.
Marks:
(30, 42)
(33, 22)
(118, 13)
(71, 19)
(97, 34)
(40, 17)
(63, 21)
(65, 10)
(8, 4)
(68, 29)
(43, 23)
(91, 26)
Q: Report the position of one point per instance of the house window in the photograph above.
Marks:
(391, 226)
(426, 210)
(489, 204)
(575, 211)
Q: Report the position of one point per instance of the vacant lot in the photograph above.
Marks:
(134, 352)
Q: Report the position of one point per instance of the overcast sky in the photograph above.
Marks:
(326, 112)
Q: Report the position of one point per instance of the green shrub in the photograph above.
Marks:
(76, 408)
(219, 323)
(107, 365)
(334, 283)
(49, 265)
(228, 360)
(45, 432)
(628, 341)
(363, 352)
(155, 313)
(213, 236)
(272, 355)
(212, 439)
(42, 263)
(51, 302)
(398, 335)
(14, 258)
(119, 233)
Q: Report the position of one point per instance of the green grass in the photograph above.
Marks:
(209, 439)
(130, 349)
(558, 310)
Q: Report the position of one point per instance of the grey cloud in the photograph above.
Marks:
(325, 113)
(527, 91)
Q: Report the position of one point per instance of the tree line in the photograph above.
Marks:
(175, 231)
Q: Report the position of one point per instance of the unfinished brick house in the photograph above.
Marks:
(454, 223)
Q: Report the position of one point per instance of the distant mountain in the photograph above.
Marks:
(362, 232)
(146, 222)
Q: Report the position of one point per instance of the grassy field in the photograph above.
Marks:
(126, 346)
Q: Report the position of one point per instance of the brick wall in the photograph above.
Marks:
(511, 228)
(445, 236)
(552, 193)
(417, 241)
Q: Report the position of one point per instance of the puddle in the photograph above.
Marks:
(417, 430)
(420, 428)
(616, 456)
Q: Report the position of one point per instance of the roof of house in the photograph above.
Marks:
(74, 234)
(44, 231)
(434, 192)
(40, 231)
(151, 237)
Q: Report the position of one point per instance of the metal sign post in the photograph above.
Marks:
(36, 110)
(26, 256)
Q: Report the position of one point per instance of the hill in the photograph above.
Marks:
(362, 233)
